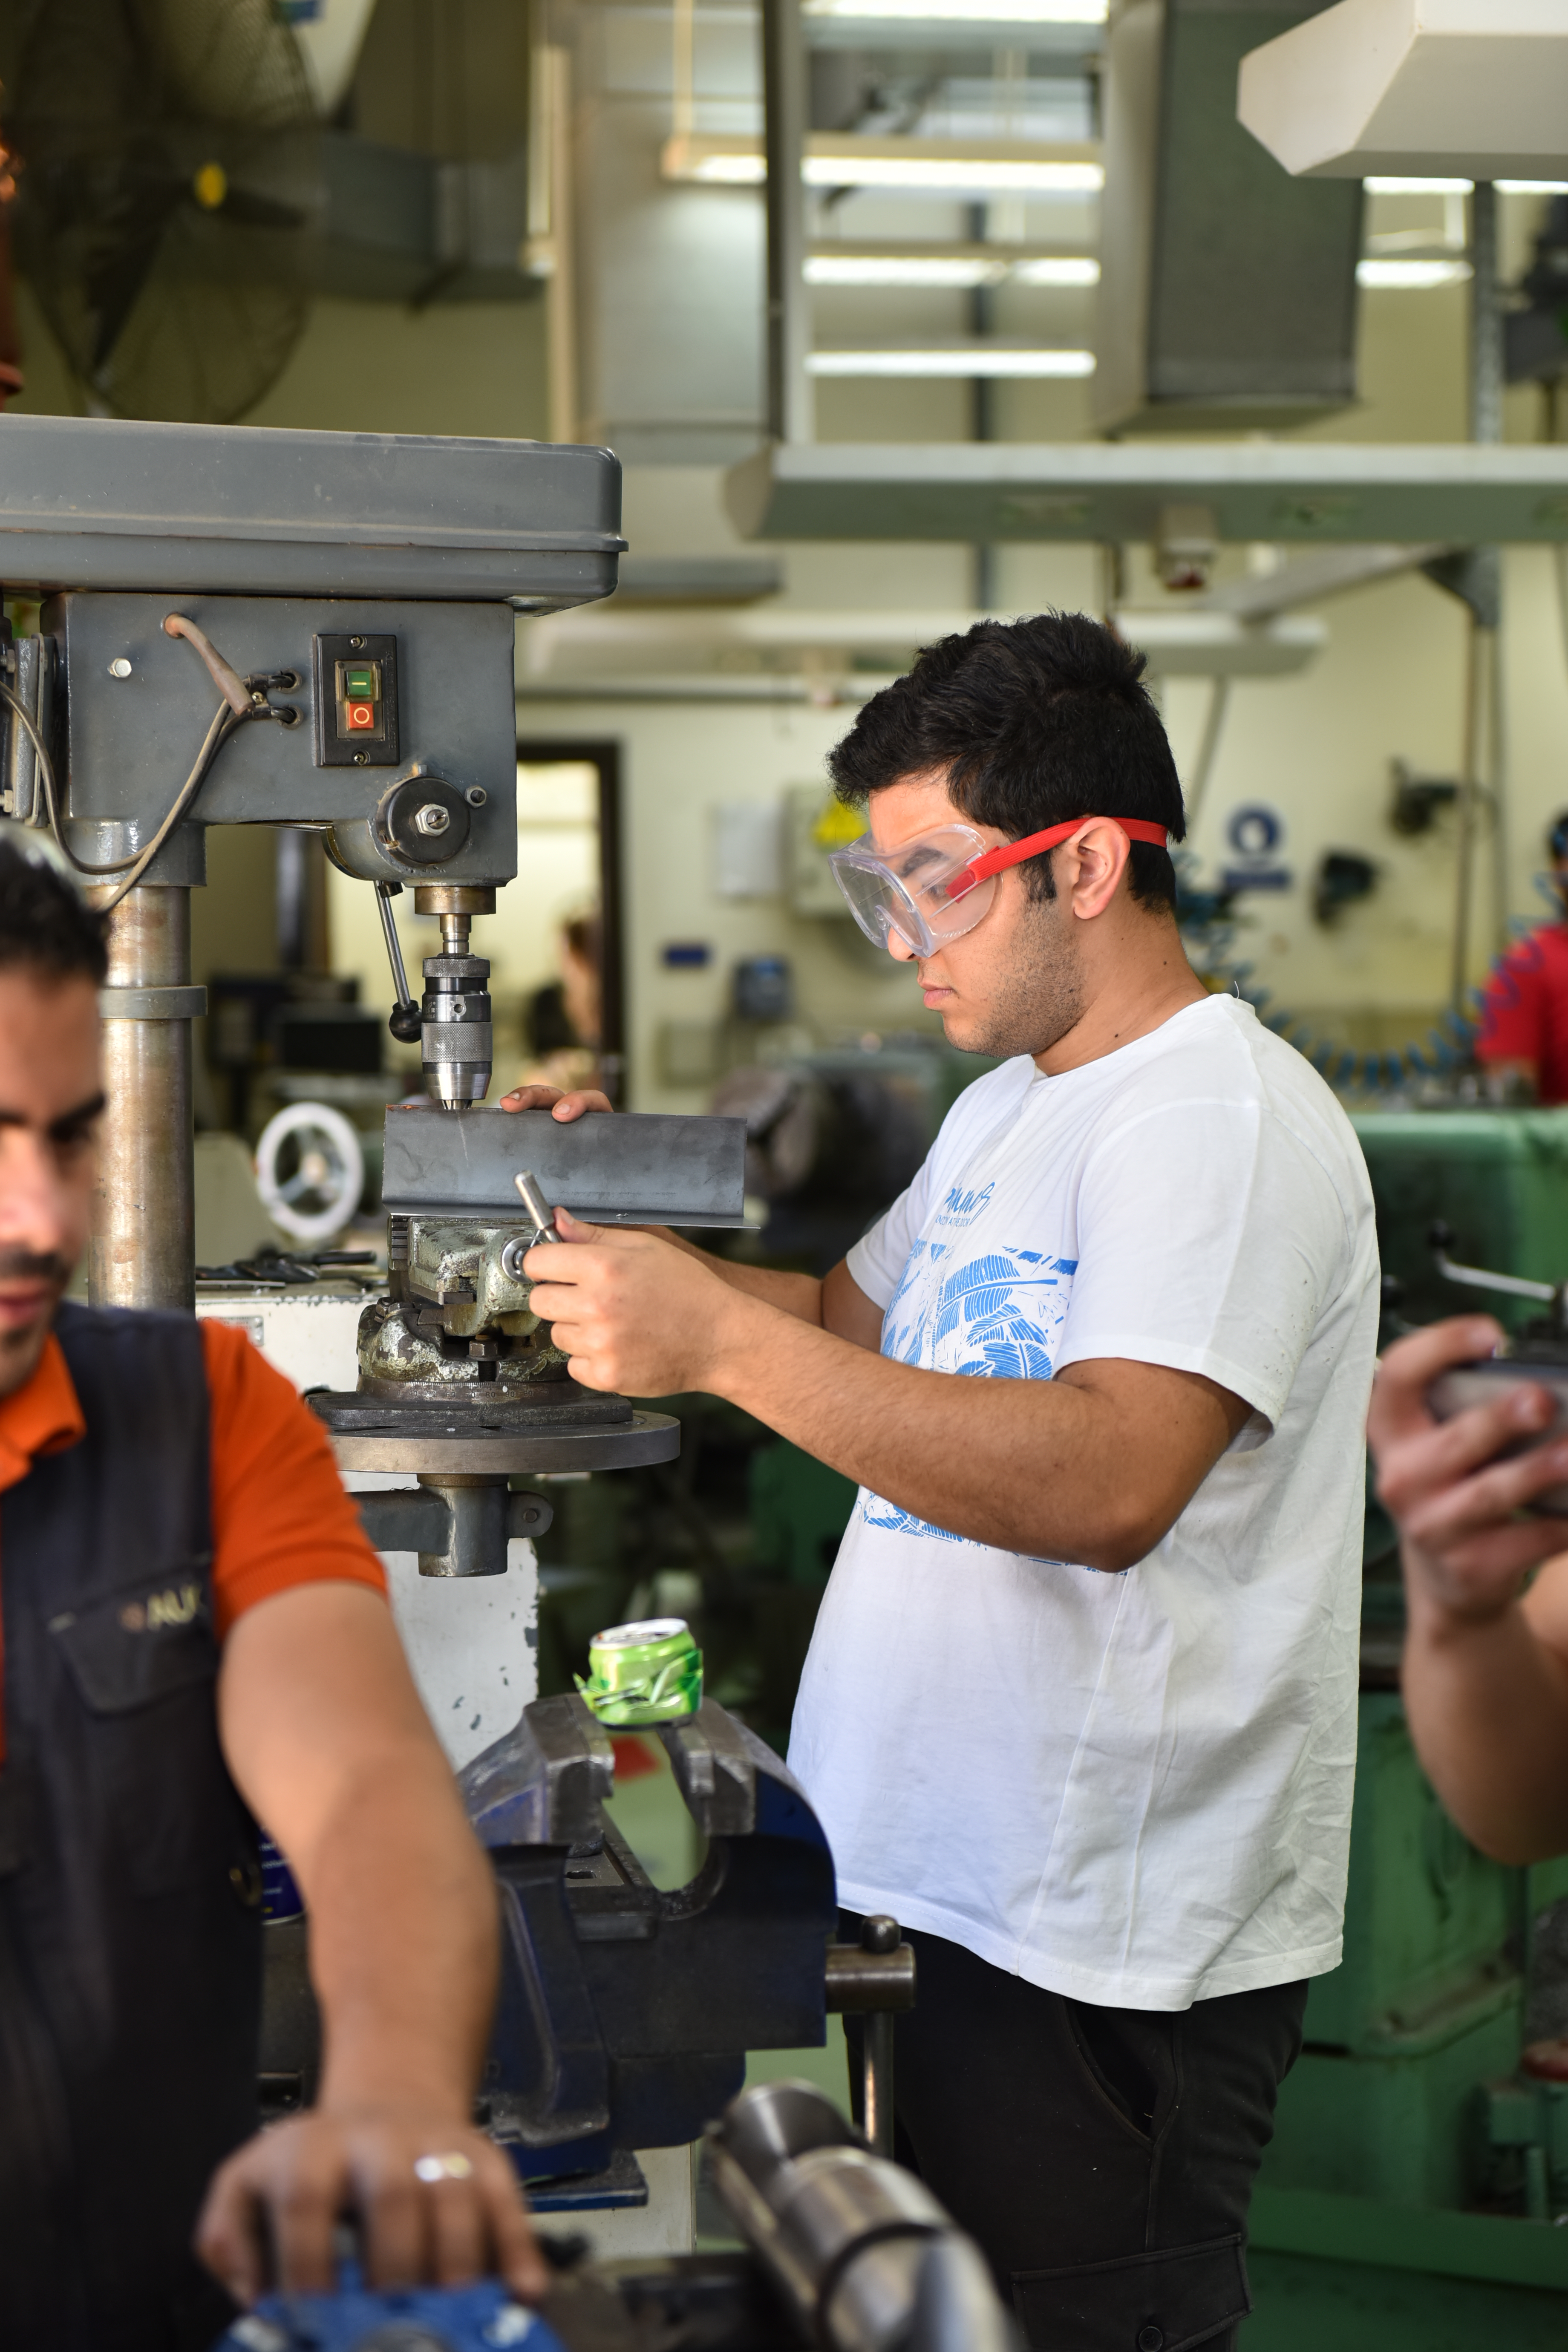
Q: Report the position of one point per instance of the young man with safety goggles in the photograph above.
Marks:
(1080, 1705)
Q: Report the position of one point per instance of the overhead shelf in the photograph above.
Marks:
(1461, 494)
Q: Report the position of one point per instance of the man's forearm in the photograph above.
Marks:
(1487, 1706)
(1033, 1467)
(799, 1294)
(405, 2002)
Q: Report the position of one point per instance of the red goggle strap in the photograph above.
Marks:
(1013, 853)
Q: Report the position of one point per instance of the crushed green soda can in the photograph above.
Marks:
(650, 1671)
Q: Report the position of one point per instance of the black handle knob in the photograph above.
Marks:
(405, 1022)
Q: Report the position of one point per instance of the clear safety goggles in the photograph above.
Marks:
(939, 885)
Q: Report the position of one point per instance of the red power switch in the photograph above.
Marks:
(359, 716)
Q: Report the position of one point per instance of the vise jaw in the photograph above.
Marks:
(625, 2011)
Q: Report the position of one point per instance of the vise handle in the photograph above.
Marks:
(862, 1979)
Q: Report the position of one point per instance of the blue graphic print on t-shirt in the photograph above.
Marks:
(996, 1315)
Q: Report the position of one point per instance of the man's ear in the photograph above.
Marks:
(1095, 858)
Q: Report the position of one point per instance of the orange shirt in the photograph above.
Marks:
(279, 1514)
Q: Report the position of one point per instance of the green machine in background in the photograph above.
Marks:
(1410, 2195)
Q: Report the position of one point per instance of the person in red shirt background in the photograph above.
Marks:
(1524, 1024)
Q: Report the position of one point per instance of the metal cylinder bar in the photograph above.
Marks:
(881, 1938)
(878, 2089)
(1484, 744)
(1486, 318)
(790, 407)
(143, 1251)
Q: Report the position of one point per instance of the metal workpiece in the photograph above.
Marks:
(143, 1251)
(458, 1526)
(625, 2011)
(138, 703)
(635, 1168)
(103, 502)
(863, 2254)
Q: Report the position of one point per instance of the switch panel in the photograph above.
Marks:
(356, 702)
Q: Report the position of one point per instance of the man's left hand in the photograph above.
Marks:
(272, 2208)
(636, 1316)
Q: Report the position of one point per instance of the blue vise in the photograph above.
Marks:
(625, 2011)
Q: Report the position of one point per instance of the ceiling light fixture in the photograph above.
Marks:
(967, 361)
(1384, 186)
(956, 269)
(957, 11)
(948, 165)
(1063, 269)
(890, 270)
(1007, 175)
(1387, 272)
(1531, 187)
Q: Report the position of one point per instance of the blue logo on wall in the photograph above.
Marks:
(1255, 835)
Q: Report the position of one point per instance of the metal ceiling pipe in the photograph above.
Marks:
(790, 404)
(142, 1251)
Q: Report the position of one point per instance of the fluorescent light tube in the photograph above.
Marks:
(1380, 271)
(734, 171)
(1531, 187)
(976, 360)
(1387, 187)
(1007, 175)
(894, 269)
(950, 269)
(836, 162)
(1057, 270)
(957, 12)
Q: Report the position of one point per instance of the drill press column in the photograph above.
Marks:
(143, 1226)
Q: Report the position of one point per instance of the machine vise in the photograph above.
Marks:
(625, 2011)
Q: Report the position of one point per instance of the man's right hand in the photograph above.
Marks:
(1455, 1501)
(562, 1106)
(1485, 1673)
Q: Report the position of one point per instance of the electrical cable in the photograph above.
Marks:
(225, 722)
(244, 699)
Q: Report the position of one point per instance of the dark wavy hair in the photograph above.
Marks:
(45, 926)
(1036, 723)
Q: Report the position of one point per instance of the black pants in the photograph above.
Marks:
(1102, 2158)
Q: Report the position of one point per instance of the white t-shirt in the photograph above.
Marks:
(1132, 1789)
